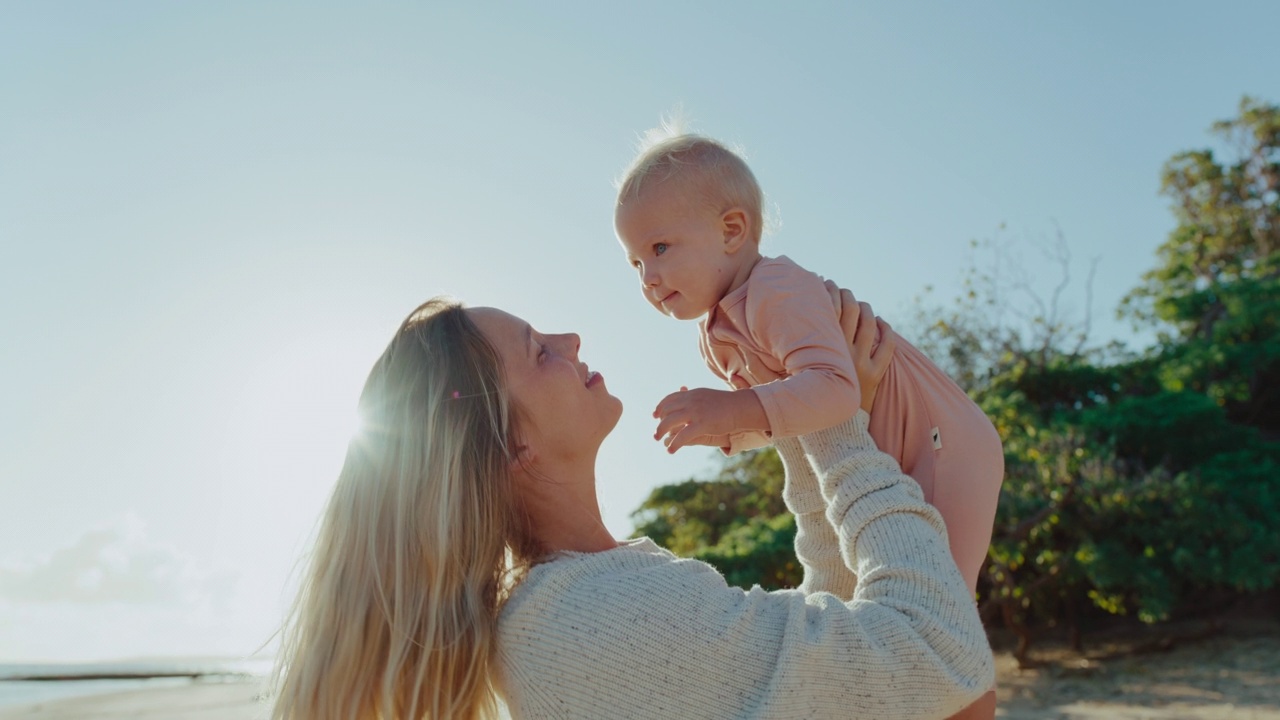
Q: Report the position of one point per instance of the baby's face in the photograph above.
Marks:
(677, 245)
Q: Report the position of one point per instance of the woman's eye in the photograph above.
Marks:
(659, 248)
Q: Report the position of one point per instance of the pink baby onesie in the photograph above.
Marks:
(779, 335)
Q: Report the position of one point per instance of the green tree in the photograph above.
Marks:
(735, 521)
(1216, 289)
(1143, 483)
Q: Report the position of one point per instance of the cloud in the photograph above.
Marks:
(116, 563)
(115, 591)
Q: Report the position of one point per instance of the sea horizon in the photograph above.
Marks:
(25, 683)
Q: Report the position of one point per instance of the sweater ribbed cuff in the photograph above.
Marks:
(860, 483)
(817, 545)
(800, 491)
(831, 445)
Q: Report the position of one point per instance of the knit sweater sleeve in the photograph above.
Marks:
(629, 634)
(817, 545)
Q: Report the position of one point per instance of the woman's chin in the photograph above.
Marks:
(614, 417)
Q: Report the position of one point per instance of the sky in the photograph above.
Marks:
(214, 215)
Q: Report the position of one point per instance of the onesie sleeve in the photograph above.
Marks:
(790, 317)
(742, 440)
(672, 639)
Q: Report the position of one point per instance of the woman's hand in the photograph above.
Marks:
(860, 325)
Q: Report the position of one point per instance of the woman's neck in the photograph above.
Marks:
(564, 512)
(590, 537)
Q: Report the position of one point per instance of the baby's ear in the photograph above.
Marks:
(735, 228)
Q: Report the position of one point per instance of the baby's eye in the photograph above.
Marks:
(659, 248)
(542, 353)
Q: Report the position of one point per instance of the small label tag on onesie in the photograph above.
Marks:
(937, 438)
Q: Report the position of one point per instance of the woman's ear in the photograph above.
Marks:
(522, 459)
(735, 227)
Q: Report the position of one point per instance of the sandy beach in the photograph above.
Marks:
(1231, 673)
(1228, 669)
(198, 701)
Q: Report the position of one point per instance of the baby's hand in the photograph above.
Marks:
(695, 417)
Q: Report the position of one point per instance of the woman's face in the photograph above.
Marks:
(566, 409)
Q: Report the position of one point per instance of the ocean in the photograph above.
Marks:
(25, 684)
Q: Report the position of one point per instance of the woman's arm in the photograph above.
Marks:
(642, 634)
(817, 546)
(638, 633)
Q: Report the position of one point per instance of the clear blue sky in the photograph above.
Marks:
(212, 216)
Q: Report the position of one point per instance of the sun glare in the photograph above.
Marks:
(354, 427)
(297, 413)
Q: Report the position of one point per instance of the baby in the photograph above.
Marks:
(689, 216)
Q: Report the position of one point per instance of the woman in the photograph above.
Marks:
(463, 558)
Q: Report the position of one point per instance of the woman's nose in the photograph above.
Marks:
(571, 342)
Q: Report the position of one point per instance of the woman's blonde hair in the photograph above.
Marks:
(716, 174)
(422, 539)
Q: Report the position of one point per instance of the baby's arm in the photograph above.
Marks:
(790, 317)
(703, 416)
(793, 315)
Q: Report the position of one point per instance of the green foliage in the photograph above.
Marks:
(1216, 289)
(1142, 505)
(1227, 230)
(1148, 484)
(1144, 483)
(1233, 354)
(736, 521)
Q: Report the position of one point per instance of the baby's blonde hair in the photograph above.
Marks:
(719, 176)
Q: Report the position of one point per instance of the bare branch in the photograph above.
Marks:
(1088, 306)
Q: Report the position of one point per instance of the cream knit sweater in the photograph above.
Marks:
(636, 632)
